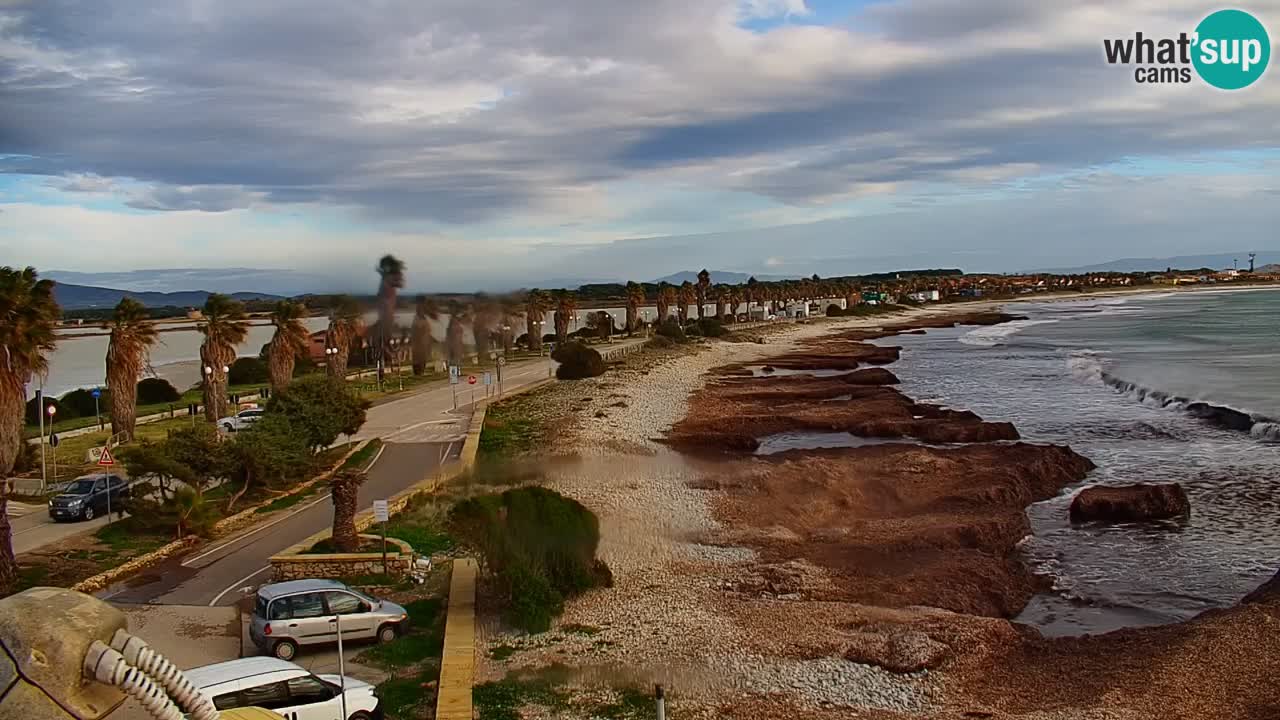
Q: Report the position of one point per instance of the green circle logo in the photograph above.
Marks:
(1232, 49)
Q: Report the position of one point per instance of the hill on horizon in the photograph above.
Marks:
(726, 277)
(81, 297)
(1220, 261)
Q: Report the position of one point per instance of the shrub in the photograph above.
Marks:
(660, 342)
(61, 412)
(153, 391)
(577, 361)
(670, 329)
(834, 310)
(248, 371)
(693, 330)
(711, 327)
(540, 547)
(28, 457)
(319, 408)
(81, 402)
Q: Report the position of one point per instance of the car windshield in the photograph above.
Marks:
(81, 487)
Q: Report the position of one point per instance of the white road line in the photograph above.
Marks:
(381, 449)
(238, 584)
(229, 543)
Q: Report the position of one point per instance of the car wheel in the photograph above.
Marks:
(285, 649)
(361, 716)
(387, 633)
(88, 512)
(228, 428)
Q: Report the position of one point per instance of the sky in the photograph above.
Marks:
(510, 143)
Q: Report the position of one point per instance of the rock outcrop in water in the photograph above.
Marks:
(1130, 503)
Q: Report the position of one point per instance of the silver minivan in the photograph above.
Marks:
(291, 614)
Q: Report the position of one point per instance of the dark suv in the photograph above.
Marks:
(87, 497)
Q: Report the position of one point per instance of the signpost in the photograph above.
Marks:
(97, 411)
(105, 458)
(453, 383)
(488, 382)
(381, 514)
(471, 380)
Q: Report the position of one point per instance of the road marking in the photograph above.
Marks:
(381, 448)
(229, 543)
(238, 584)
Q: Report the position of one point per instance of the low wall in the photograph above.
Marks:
(295, 564)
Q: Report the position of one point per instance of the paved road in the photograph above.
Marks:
(215, 574)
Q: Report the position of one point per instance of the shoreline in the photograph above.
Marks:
(700, 594)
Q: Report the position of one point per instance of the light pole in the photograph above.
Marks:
(537, 327)
(212, 378)
(52, 410)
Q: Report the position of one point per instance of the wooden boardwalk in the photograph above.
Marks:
(458, 665)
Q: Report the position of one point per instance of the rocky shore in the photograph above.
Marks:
(871, 581)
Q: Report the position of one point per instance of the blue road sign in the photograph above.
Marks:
(96, 393)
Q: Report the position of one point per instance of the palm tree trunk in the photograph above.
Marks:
(214, 388)
(12, 406)
(122, 379)
(280, 365)
(534, 331)
(345, 538)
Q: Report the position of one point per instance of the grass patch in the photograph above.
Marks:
(402, 697)
(424, 641)
(515, 425)
(287, 501)
(421, 524)
(632, 704)
(502, 699)
(125, 538)
(502, 652)
(360, 458)
(326, 547)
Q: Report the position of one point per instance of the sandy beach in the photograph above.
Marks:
(875, 580)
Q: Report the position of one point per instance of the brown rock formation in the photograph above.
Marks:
(1130, 503)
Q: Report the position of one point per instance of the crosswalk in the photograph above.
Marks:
(18, 509)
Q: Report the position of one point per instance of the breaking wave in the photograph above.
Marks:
(992, 335)
(1086, 365)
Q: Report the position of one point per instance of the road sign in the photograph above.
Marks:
(53, 439)
(96, 393)
(453, 379)
(502, 361)
(471, 379)
(488, 378)
(106, 458)
(453, 371)
(380, 511)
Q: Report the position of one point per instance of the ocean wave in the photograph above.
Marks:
(992, 335)
(1087, 365)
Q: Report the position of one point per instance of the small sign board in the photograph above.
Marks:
(502, 360)
(453, 371)
(488, 378)
(380, 511)
(96, 393)
(106, 458)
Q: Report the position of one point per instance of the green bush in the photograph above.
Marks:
(153, 391)
(61, 412)
(711, 327)
(834, 310)
(540, 547)
(693, 330)
(248, 371)
(670, 329)
(319, 408)
(660, 342)
(81, 402)
(577, 361)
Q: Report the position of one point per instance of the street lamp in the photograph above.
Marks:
(53, 411)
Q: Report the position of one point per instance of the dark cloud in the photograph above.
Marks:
(462, 111)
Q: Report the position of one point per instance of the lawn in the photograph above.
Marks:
(516, 425)
(67, 562)
(413, 659)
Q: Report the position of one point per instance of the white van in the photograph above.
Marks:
(285, 689)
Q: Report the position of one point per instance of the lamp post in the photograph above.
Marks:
(53, 411)
(211, 378)
(537, 327)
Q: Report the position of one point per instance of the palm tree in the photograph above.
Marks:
(666, 298)
(391, 274)
(735, 299)
(704, 284)
(127, 352)
(483, 313)
(721, 293)
(224, 326)
(511, 309)
(536, 306)
(288, 342)
(566, 306)
(345, 489)
(688, 296)
(454, 344)
(751, 294)
(344, 327)
(635, 298)
(28, 315)
(422, 340)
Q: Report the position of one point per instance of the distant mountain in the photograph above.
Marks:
(1271, 269)
(720, 276)
(1178, 262)
(78, 297)
(221, 280)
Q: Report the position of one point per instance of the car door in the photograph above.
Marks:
(272, 696)
(99, 497)
(310, 698)
(353, 613)
(308, 622)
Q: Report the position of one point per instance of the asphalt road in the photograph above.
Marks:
(216, 574)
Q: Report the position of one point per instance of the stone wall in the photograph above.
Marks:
(296, 564)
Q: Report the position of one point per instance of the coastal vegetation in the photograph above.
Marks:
(224, 325)
(127, 352)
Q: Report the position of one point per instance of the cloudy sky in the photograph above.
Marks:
(492, 142)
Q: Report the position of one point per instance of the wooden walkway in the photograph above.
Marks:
(458, 665)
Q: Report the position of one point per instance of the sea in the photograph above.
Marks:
(1179, 387)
